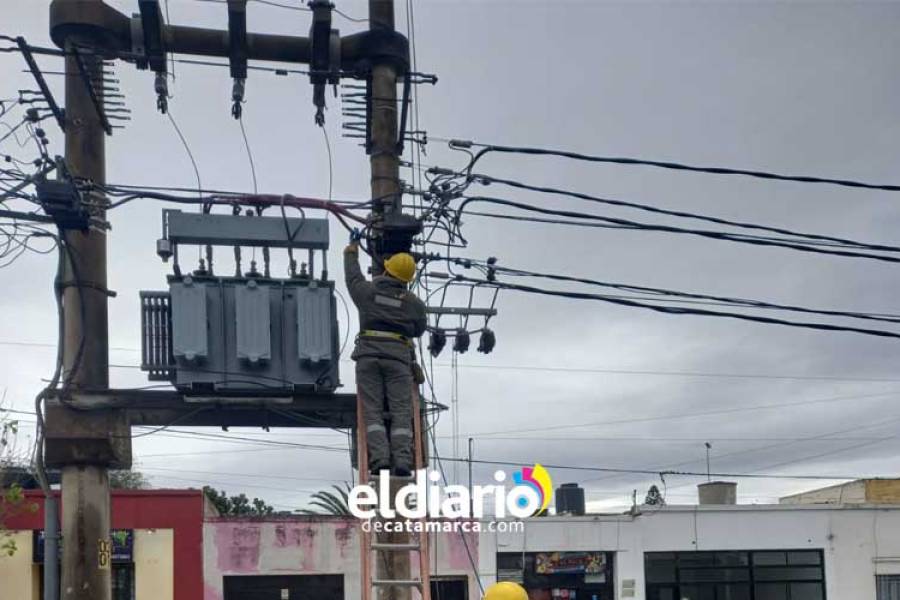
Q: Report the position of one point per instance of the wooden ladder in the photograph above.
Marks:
(371, 551)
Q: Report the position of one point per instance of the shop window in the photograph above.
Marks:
(888, 587)
(736, 575)
(560, 575)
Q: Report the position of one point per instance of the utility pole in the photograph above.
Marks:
(384, 159)
(85, 443)
(85, 487)
(384, 162)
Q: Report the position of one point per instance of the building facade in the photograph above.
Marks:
(170, 546)
(157, 546)
(726, 552)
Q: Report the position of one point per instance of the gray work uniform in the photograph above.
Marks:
(389, 318)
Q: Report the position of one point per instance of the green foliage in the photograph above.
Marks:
(12, 502)
(237, 506)
(128, 480)
(12, 497)
(330, 503)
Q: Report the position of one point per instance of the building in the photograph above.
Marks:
(724, 551)
(721, 551)
(157, 550)
(861, 491)
(298, 557)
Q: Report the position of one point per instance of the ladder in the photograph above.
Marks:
(417, 544)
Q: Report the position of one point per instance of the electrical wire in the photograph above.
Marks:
(722, 300)
(705, 233)
(487, 180)
(190, 154)
(677, 310)
(249, 154)
(487, 148)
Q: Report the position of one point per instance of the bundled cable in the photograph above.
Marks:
(487, 148)
(793, 244)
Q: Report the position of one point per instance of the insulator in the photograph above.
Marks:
(487, 341)
(461, 341)
(436, 342)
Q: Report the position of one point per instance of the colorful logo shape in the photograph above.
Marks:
(537, 479)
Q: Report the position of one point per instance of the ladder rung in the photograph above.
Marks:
(395, 547)
(397, 582)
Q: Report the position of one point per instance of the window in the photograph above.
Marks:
(737, 575)
(455, 588)
(888, 587)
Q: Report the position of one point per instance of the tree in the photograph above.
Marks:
(237, 506)
(330, 503)
(128, 480)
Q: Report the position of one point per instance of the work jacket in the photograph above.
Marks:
(386, 306)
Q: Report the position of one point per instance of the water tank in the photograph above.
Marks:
(570, 499)
(717, 492)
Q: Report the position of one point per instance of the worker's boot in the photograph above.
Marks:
(376, 467)
(402, 471)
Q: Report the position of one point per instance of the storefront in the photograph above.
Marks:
(560, 575)
(156, 550)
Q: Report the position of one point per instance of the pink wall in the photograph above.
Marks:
(306, 546)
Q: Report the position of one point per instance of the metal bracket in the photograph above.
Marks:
(404, 112)
(321, 60)
(58, 112)
(88, 80)
(90, 285)
(150, 49)
(237, 52)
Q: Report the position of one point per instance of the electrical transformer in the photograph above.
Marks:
(247, 334)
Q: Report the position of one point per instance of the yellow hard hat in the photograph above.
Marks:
(402, 266)
(506, 590)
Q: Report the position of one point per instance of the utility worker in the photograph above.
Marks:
(390, 316)
(506, 590)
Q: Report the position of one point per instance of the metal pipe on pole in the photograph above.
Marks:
(51, 547)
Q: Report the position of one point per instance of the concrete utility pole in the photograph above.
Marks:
(384, 159)
(84, 444)
(385, 166)
(85, 487)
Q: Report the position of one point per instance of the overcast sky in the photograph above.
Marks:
(795, 87)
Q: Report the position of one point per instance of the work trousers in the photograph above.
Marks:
(380, 382)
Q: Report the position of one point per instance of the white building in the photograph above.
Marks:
(787, 551)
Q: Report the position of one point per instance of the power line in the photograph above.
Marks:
(789, 243)
(678, 310)
(720, 411)
(486, 148)
(487, 179)
(593, 469)
(556, 369)
(723, 300)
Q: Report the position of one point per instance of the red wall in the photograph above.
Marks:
(179, 510)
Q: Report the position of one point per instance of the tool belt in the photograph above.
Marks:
(385, 335)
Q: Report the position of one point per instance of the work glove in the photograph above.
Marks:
(355, 236)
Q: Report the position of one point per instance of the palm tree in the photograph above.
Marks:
(327, 502)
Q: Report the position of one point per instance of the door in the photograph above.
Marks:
(284, 587)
